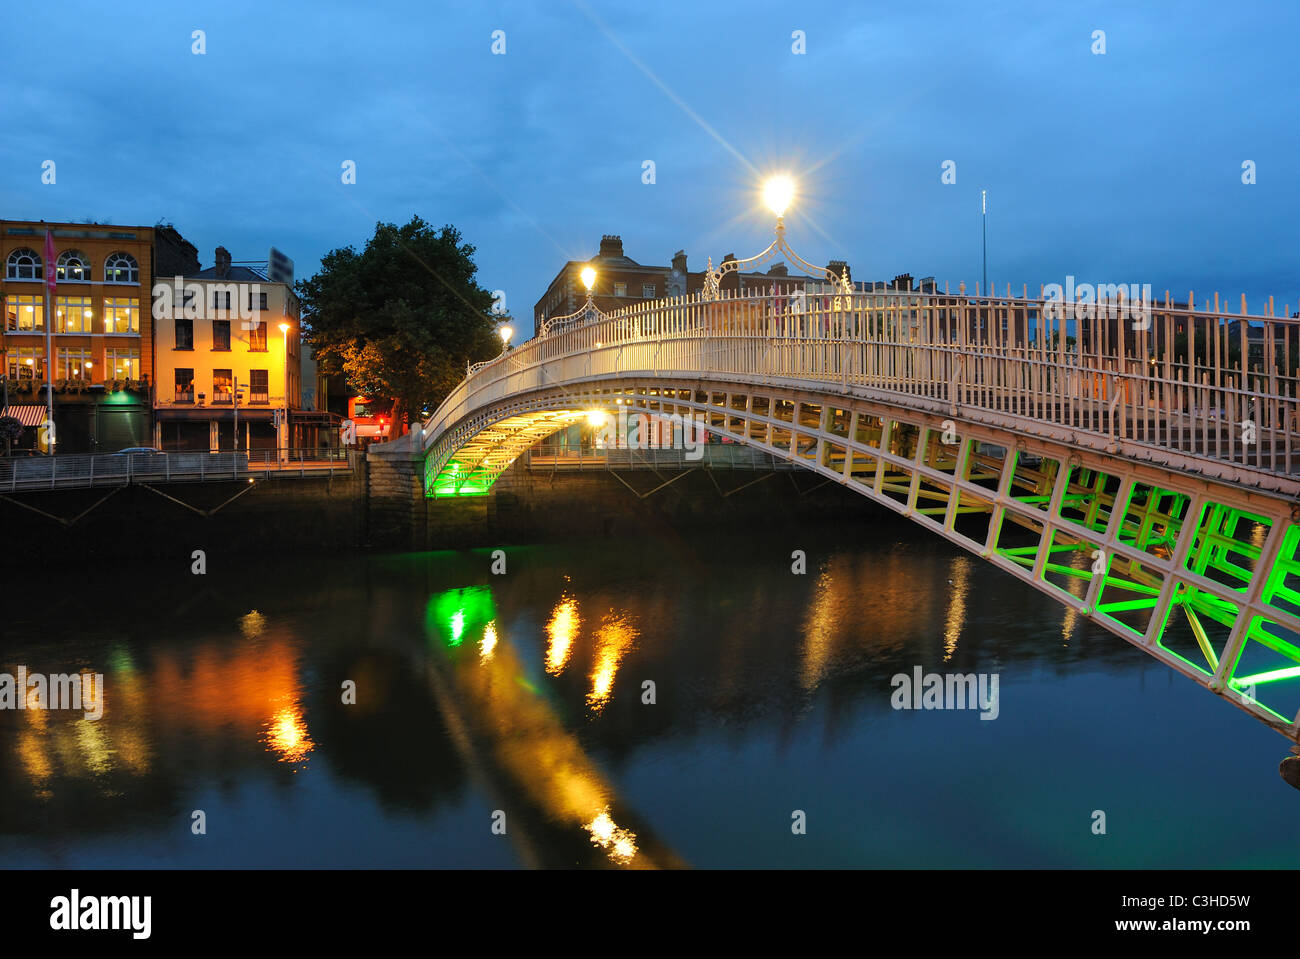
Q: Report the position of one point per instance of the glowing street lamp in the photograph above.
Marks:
(505, 332)
(588, 276)
(778, 193)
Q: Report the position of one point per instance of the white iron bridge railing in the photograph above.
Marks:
(1201, 385)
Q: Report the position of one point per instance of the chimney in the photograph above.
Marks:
(610, 246)
(903, 282)
(840, 267)
(223, 263)
(778, 269)
(679, 262)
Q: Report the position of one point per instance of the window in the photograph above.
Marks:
(361, 410)
(185, 335)
(24, 264)
(648, 291)
(73, 267)
(184, 386)
(121, 268)
(257, 337)
(72, 314)
(222, 384)
(258, 387)
(221, 335)
(121, 316)
(72, 363)
(122, 364)
(620, 289)
(257, 301)
(221, 299)
(26, 362)
(25, 313)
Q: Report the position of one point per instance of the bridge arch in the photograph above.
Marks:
(1110, 485)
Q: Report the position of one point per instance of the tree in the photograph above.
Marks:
(11, 431)
(402, 318)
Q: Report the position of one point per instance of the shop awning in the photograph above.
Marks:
(27, 415)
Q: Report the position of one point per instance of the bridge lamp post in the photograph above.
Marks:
(580, 316)
(505, 332)
(778, 193)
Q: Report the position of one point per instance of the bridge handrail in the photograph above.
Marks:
(990, 353)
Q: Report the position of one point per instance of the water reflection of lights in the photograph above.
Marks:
(612, 644)
(561, 631)
(488, 643)
(287, 735)
(455, 613)
(960, 583)
(1068, 625)
(252, 624)
(619, 844)
(820, 626)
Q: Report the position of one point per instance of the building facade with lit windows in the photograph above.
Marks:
(227, 351)
(102, 331)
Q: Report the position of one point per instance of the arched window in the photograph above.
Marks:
(72, 267)
(24, 264)
(121, 268)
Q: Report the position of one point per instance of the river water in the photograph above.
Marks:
(681, 700)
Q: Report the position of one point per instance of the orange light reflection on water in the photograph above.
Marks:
(287, 735)
(613, 642)
(561, 631)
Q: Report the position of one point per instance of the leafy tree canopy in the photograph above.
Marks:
(11, 428)
(401, 318)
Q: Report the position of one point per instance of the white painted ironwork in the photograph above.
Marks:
(713, 278)
(1162, 390)
(588, 313)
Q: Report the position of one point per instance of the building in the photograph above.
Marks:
(101, 333)
(227, 352)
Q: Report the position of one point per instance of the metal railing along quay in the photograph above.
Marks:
(121, 469)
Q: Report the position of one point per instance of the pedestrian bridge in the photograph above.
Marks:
(1134, 461)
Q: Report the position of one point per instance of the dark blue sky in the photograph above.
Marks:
(1124, 167)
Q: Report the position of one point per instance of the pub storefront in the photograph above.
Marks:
(209, 430)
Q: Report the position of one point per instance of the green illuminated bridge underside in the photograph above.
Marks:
(481, 459)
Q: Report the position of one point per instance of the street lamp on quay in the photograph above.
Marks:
(284, 336)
